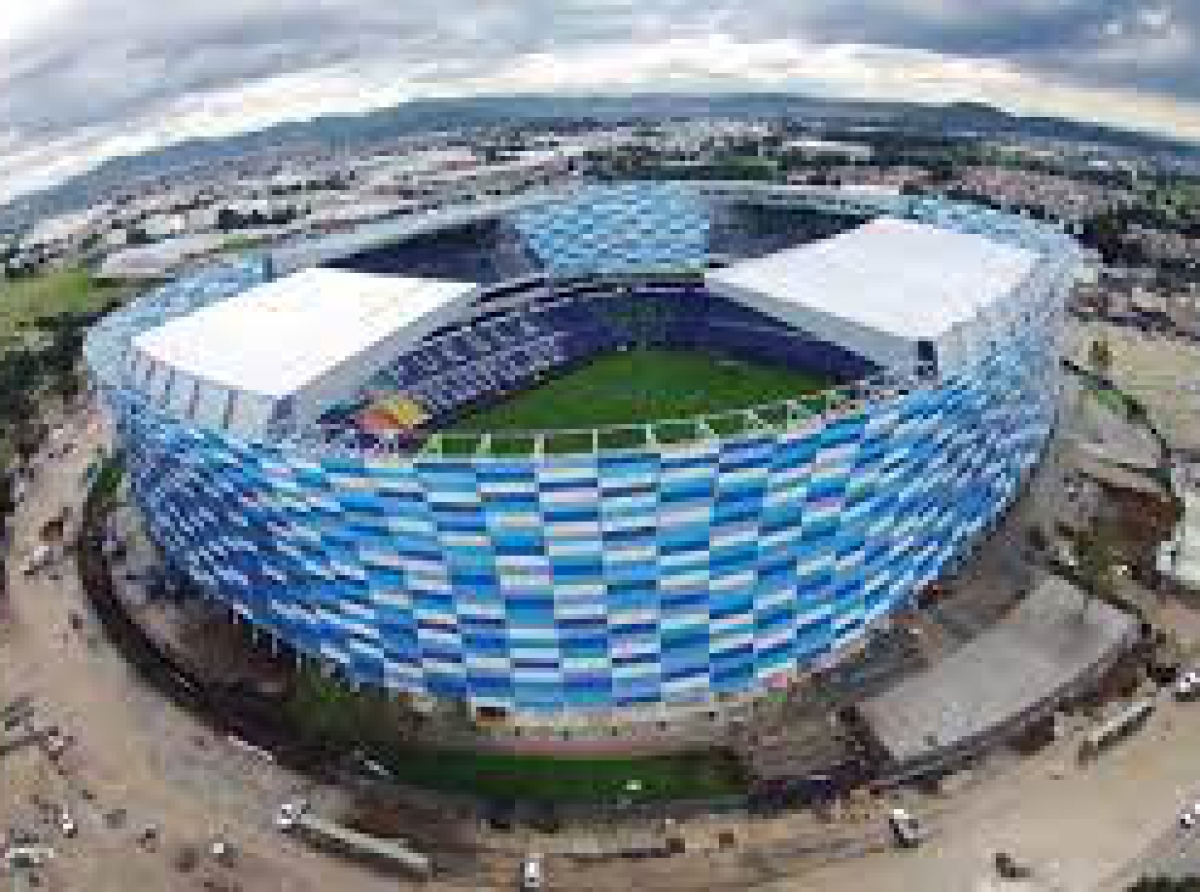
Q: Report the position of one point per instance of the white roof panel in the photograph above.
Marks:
(884, 283)
(276, 338)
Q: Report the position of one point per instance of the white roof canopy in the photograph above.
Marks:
(881, 288)
(310, 335)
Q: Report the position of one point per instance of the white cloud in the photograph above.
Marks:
(1155, 18)
(23, 19)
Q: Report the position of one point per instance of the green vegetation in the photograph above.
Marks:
(639, 386)
(1166, 884)
(1174, 203)
(642, 163)
(243, 242)
(43, 320)
(25, 301)
(1117, 401)
(107, 482)
(327, 714)
(1111, 400)
(547, 779)
(1096, 558)
(1100, 357)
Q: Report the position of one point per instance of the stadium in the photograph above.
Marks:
(594, 460)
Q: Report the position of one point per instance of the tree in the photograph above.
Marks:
(1100, 357)
(27, 437)
(59, 359)
(1096, 559)
(329, 712)
(8, 496)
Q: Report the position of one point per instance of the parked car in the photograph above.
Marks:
(21, 857)
(1190, 816)
(289, 813)
(1187, 685)
(1009, 868)
(532, 875)
(909, 831)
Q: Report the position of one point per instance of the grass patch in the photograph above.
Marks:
(1119, 403)
(622, 438)
(1111, 400)
(43, 323)
(695, 775)
(639, 386)
(568, 442)
(107, 481)
(244, 242)
(328, 714)
(728, 425)
(24, 301)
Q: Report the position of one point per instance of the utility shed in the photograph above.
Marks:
(282, 351)
(892, 291)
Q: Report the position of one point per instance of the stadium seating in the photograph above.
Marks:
(508, 352)
(613, 229)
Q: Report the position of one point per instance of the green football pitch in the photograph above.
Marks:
(641, 385)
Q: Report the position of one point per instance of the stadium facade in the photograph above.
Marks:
(607, 578)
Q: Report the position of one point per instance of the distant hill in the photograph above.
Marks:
(425, 115)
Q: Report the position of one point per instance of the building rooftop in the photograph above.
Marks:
(881, 287)
(274, 339)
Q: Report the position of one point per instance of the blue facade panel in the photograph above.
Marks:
(577, 612)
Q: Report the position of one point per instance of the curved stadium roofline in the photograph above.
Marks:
(111, 337)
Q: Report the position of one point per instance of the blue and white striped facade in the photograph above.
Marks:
(617, 229)
(609, 582)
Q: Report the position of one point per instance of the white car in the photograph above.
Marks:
(908, 830)
(40, 558)
(1187, 685)
(1190, 816)
(27, 856)
(532, 875)
(289, 813)
(56, 744)
(67, 825)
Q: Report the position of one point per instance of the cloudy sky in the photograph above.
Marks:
(81, 80)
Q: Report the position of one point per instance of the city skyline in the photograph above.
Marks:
(86, 80)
